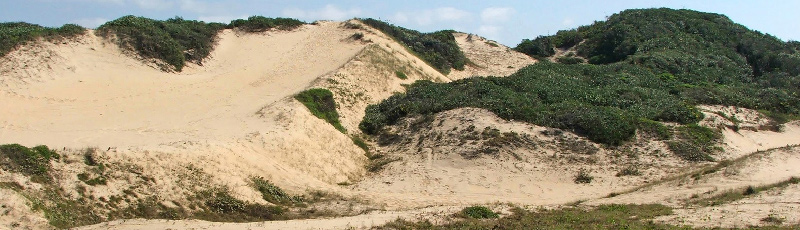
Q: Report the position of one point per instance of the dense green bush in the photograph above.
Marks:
(603, 103)
(439, 48)
(539, 48)
(569, 60)
(33, 162)
(15, 34)
(320, 102)
(715, 60)
(261, 24)
(173, 41)
(478, 212)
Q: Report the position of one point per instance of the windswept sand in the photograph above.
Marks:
(488, 58)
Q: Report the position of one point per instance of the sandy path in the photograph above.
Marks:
(364, 221)
(101, 98)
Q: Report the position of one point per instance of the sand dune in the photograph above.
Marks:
(169, 135)
(98, 97)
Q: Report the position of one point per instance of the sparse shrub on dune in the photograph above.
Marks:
(261, 24)
(439, 49)
(583, 177)
(176, 41)
(602, 103)
(15, 34)
(173, 41)
(33, 162)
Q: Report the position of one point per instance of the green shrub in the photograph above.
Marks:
(401, 75)
(707, 58)
(629, 171)
(261, 24)
(569, 60)
(539, 48)
(15, 34)
(654, 128)
(478, 212)
(583, 177)
(439, 49)
(320, 102)
(361, 143)
(602, 103)
(695, 142)
(272, 193)
(33, 162)
(174, 41)
(224, 207)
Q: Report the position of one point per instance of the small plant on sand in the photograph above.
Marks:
(773, 219)
(478, 212)
(629, 170)
(583, 177)
(272, 193)
(401, 75)
(320, 102)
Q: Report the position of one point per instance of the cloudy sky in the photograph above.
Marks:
(503, 20)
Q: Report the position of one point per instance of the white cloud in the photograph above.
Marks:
(567, 22)
(153, 4)
(107, 1)
(430, 16)
(450, 14)
(400, 17)
(490, 32)
(90, 22)
(329, 12)
(194, 6)
(497, 14)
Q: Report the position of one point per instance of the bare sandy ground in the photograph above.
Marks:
(488, 58)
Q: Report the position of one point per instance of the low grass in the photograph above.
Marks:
(320, 102)
(272, 193)
(16, 34)
(378, 161)
(695, 143)
(33, 162)
(602, 217)
(225, 208)
(738, 194)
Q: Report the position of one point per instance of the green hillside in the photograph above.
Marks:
(645, 65)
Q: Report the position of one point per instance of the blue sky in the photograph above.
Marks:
(505, 21)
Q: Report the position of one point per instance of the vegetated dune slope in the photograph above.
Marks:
(170, 135)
